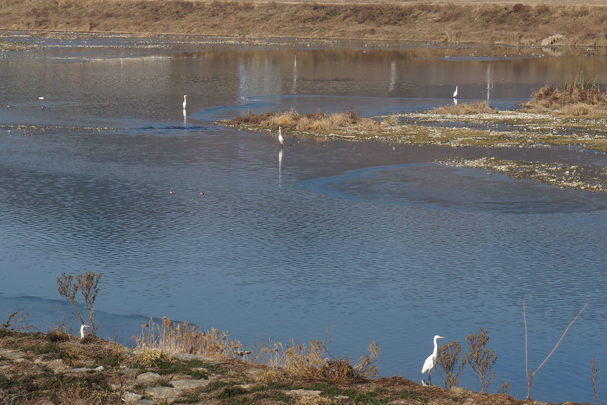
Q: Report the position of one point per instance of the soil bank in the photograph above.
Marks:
(546, 24)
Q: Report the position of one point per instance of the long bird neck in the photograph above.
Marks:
(435, 348)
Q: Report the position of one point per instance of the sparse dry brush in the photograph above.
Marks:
(174, 337)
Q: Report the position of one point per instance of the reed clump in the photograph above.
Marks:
(572, 97)
(314, 362)
(481, 107)
(316, 122)
(174, 337)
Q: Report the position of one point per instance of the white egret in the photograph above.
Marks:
(429, 363)
(455, 92)
(280, 138)
(83, 331)
(41, 98)
(184, 100)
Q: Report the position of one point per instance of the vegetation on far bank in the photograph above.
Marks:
(486, 23)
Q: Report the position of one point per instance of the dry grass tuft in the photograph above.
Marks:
(481, 107)
(174, 337)
(314, 362)
(317, 122)
(572, 97)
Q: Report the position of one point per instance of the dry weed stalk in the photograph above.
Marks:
(595, 378)
(8, 322)
(447, 360)
(503, 389)
(87, 284)
(529, 375)
(480, 359)
(174, 337)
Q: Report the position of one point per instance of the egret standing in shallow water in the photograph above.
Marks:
(429, 363)
(280, 138)
(184, 100)
(454, 93)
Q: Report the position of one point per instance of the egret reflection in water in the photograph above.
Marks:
(280, 168)
(489, 82)
(392, 76)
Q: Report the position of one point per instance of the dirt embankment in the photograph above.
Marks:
(468, 22)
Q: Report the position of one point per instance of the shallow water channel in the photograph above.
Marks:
(372, 240)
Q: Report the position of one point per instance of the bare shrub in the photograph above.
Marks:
(518, 7)
(541, 9)
(449, 363)
(529, 375)
(481, 107)
(173, 337)
(87, 284)
(480, 359)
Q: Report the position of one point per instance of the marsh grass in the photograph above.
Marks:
(481, 107)
(315, 122)
(573, 97)
(175, 337)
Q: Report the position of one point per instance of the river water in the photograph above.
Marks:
(371, 240)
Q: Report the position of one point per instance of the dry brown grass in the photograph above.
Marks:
(573, 97)
(171, 337)
(317, 122)
(481, 107)
(472, 22)
(314, 362)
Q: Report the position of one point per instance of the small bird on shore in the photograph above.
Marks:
(83, 331)
(185, 101)
(429, 363)
(454, 93)
(280, 138)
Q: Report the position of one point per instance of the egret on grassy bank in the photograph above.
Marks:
(454, 93)
(280, 138)
(83, 331)
(429, 363)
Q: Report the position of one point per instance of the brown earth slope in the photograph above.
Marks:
(468, 22)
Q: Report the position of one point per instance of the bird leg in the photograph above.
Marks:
(430, 377)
